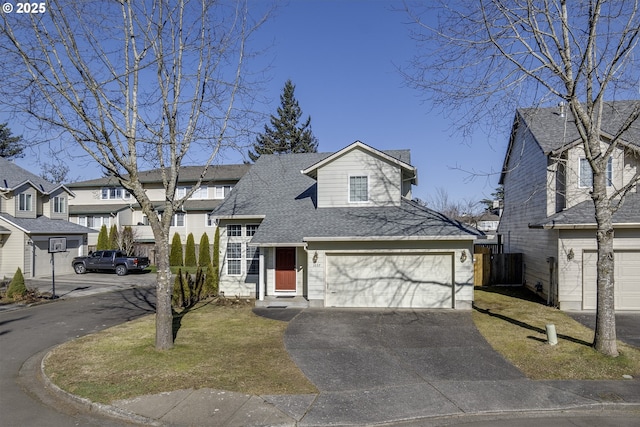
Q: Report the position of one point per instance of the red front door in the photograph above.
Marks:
(286, 269)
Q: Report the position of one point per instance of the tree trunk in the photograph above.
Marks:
(605, 334)
(164, 314)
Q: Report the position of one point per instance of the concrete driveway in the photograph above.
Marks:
(627, 325)
(340, 350)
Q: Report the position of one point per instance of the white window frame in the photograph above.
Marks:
(234, 265)
(114, 193)
(366, 177)
(252, 260)
(201, 193)
(584, 162)
(175, 219)
(221, 191)
(253, 228)
(25, 202)
(59, 204)
(234, 227)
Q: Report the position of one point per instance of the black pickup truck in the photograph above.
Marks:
(109, 261)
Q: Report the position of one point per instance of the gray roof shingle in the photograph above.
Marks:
(584, 215)
(13, 176)
(275, 188)
(44, 225)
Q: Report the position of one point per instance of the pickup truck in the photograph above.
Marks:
(109, 260)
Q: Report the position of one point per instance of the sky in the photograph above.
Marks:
(343, 57)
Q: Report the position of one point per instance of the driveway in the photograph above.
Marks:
(342, 350)
(627, 325)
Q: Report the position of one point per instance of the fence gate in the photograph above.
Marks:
(506, 269)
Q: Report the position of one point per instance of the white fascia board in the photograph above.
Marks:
(277, 245)
(385, 238)
(592, 226)
(14, 225)
(240, 216)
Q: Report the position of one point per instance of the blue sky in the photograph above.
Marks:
(342, 55)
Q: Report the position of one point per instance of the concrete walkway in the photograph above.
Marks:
(377, 367)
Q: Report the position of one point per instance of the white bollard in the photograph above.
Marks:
(552, 338)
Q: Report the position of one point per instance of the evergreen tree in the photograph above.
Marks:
(216, 259)
(113, 237)
(103, 239)
(204, 258)
(190, 252)
(10, 146)
(175, 257)
(17, 288)
(285, 135)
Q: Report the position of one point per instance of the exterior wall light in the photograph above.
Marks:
(570, 255)
(463, 257)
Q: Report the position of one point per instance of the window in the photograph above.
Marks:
(59, 204)
(200, 193)
(182, 191)
(234, 259)
(234, 230)
(221, 191)
(586, 174)
(113, 193)
(253, 260)
(358, 189)
(25, 202)
(94, 221)
(177, 220)
(252, 229)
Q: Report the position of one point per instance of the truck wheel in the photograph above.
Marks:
(121, 270)
(79, 269)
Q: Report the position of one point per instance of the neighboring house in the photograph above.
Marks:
(340, 230)
(103, 201)
(488, 223)
(548, 212)
(32, 210)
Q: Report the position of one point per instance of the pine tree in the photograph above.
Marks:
(103, 239)
(175, 257)
(285, 135)
(204, 258)
(17, 287)
(10, 146)
(216, 260)
(113, 237)
(190, 252)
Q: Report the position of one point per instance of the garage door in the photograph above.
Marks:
(390, 280)
(626, 276)
(42, 261)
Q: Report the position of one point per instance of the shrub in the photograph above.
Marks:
(210, 287)
(103, 239)
(17, 288)
(175, 257)
(113, 237)
(177, 298)
(204, 257)
(190, 252)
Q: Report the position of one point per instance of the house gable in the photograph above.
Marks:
(359, 175)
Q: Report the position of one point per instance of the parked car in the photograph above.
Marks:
(109, 261)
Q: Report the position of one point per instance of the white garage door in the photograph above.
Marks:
(626, 276)
(390, 280)
(42, 261)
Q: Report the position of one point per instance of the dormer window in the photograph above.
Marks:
(358, 189)
(24, 202)
(586, 174)
(59, 204)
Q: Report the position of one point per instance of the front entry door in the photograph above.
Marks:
(285, 269)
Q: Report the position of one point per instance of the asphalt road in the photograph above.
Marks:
(34, 330)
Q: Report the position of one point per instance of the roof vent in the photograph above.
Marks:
(561, 107)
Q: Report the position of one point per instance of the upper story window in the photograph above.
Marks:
(59, 204)
(177, 220)
(25, 202)
(586, 174)
(358, 189)
(199, 193)
(234, 230)
(221, 191)
(113, 193)
(251, 229)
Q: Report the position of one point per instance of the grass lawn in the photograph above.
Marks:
(218, 347)
(513, 321)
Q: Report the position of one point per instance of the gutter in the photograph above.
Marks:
(589, 226)
(384, 238)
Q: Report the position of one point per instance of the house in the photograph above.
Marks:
(549, 216)
(33, 210)
(340, 230)
(103, 201)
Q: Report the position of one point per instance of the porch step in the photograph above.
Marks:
(283, 302)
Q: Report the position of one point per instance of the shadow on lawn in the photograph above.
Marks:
(522, 293)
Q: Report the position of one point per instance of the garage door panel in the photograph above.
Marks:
(626, 276)
(42, 264)
(390, 280)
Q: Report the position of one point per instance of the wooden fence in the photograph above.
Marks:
(496, 268)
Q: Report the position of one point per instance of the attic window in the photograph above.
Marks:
(358, 189)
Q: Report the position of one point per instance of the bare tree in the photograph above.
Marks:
(483, 58)
(137, 85)
(465, 210)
